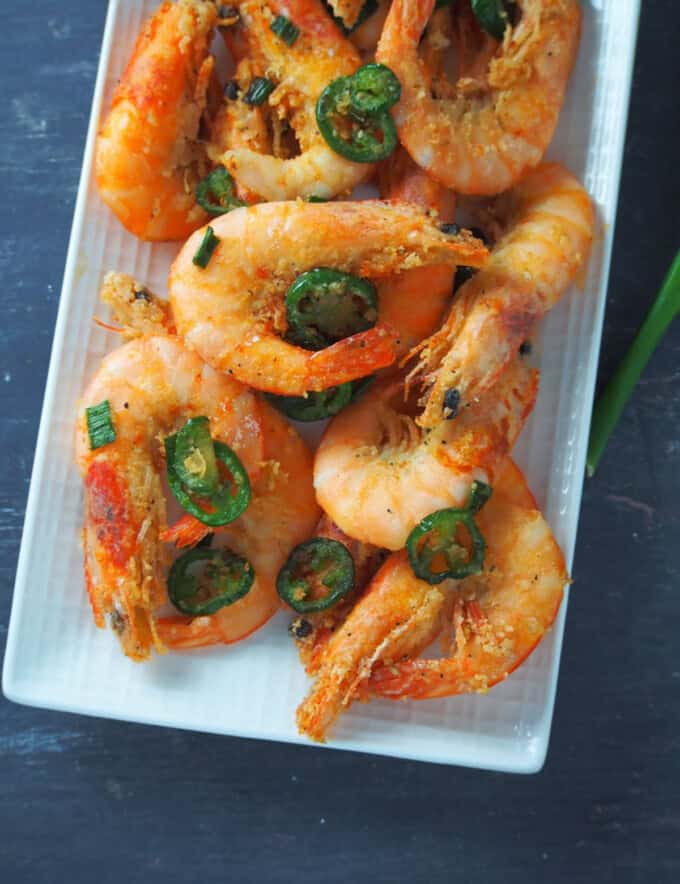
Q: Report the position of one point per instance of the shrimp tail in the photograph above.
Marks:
(396, 617)
(352, 357)
(187, 531)
(182, 634)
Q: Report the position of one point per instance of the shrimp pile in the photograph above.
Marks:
(291, 299)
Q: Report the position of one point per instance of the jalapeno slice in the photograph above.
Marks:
(195, 460)
(318, 574)
(433, 549)
(202, 581)
(230, 497)
(373, 88)
(314, 406)
(215, 193)
(355, 135)
(325, 305)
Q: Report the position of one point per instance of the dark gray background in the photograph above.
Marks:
(86, 800)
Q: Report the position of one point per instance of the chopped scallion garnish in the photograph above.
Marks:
(100, 427)
(208, 245)
(285, 29)
(611, 403)
(258, 91)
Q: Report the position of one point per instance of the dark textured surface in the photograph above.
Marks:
(85, 800)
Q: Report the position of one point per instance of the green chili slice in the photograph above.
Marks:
(226, 502)
(318, 574)
(100, 429)
(324, 305)
(215, 193)
(433, 549)
(202, 581)
(313, 406)
(354, 135)
(259, 90)
(205, 251)
(195, 460)
(373, 88)
(492, 16)
(285, 29)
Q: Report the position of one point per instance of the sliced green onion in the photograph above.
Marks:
(433, 548)
(205, 251)
(259, 90)
(611, 403)
(492, 16)
(215, 193)
(202, 581)
(318, 574)
(285, 29)
(100, 427)
(317, 199)
(325, 305)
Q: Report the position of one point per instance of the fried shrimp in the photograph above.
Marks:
(398, 615)
(413, 302)
(152, 386)
(138, 310)
(377, 474)
(313, 631)
(238, 125)
(400, 180)
(547, 223)
(499, 120)
(234, 313)
(282, 513)
(497, 617)
(299, 72)
(148, 155)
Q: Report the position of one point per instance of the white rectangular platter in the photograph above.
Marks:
(56, 658)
